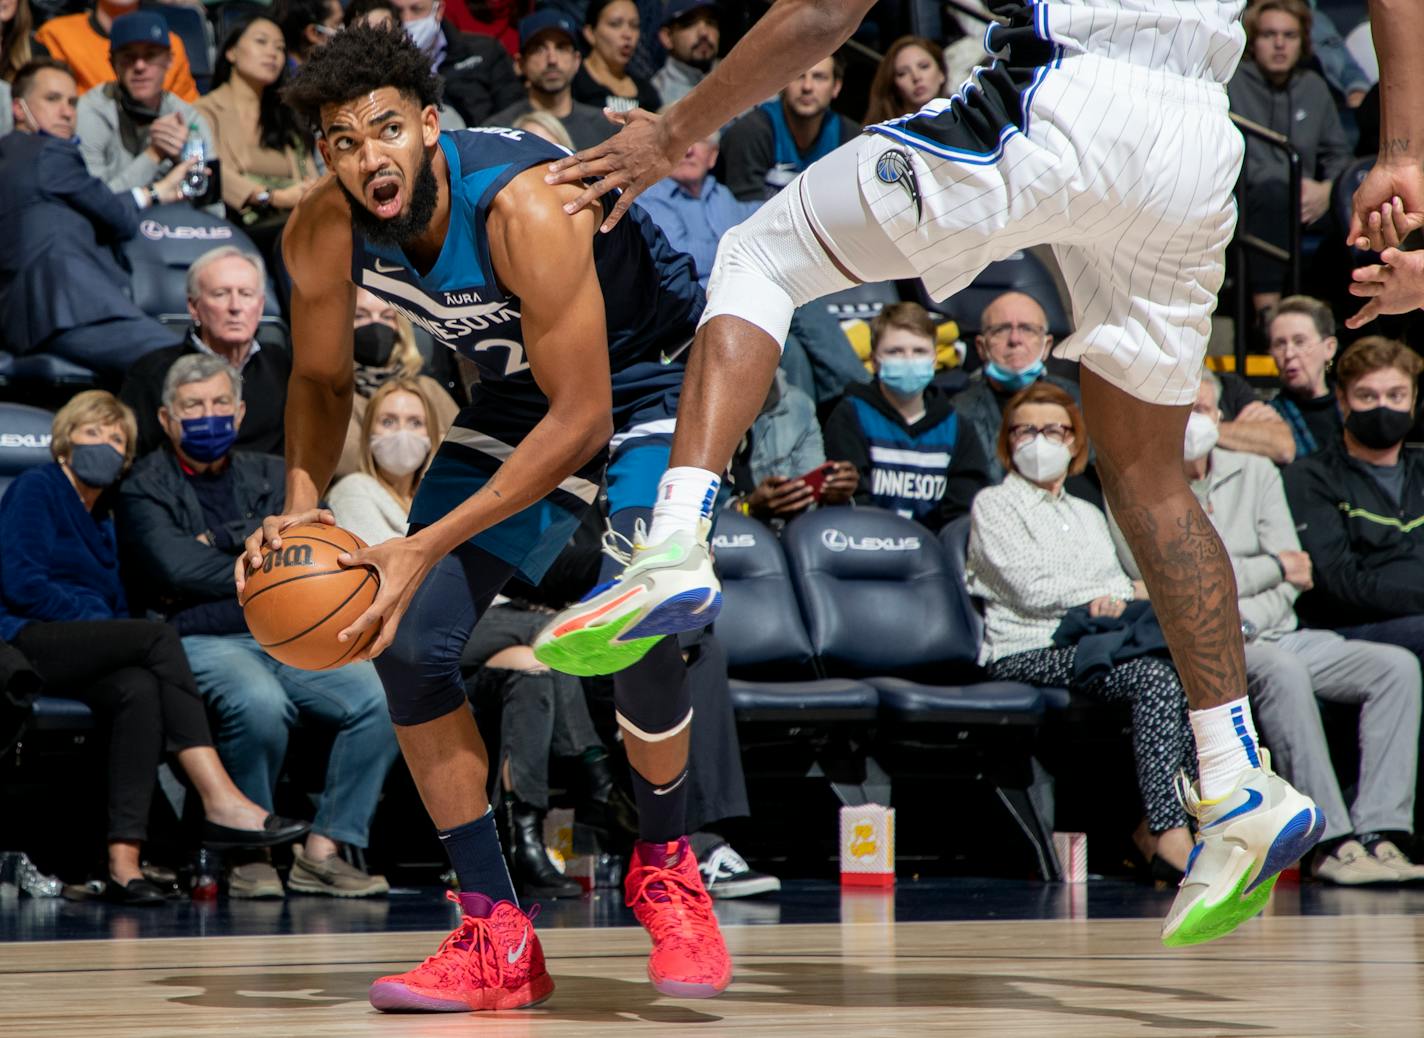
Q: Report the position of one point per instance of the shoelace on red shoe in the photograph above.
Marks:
(691, 908)
(473, 939)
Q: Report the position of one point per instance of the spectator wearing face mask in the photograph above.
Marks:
(914, 453)
(63, 607)
(397, 440)
(1013, 347)
(385, 351)
(1289, 668)
(479, 76)
(183, 514)
(1358, 503)
(1044, 563)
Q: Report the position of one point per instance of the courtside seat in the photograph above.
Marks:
(882, 605)
(768, 650)
(1018, 272)
(170, 238)
(57, 714)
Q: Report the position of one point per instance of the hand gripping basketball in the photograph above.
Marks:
(300, 598)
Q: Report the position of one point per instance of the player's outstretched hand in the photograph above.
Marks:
(1395, 285)
(402, 564)
(633, 159)
(270, 533)
(1399, 183)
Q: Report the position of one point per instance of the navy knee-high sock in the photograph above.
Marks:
(479, 863)
(662, 810)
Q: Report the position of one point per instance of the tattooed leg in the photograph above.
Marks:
(1184, 564)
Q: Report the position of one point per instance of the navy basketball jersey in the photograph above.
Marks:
(651, 295)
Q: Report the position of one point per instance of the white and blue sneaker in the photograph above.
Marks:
(1244, 840)
(665, 588)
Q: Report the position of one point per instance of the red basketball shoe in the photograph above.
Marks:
(665, 891)
(491, 961)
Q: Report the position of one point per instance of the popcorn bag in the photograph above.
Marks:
(559, 839)
(868, 846)
(1072, 851)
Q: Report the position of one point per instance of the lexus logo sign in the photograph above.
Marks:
(155, 231)
(839, 541)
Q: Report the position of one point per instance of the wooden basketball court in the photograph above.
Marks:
(1327, 975)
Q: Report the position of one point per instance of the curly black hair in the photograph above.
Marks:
(356, 62)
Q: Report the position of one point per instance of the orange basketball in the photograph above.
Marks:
(299, 599)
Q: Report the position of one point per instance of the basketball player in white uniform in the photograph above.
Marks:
(1102, 130)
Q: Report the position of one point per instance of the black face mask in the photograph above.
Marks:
(1380, 427)
(373, 344)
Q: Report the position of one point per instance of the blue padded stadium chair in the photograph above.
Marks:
(861, 301)
(1020, 272)
(170, 238)
(805, 739)
(24, 444)
(883, 605)
(192, 28)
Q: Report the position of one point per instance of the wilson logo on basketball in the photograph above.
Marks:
(292, 555)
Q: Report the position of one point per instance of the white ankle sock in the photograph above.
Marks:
(685, 495)
(1226, 745)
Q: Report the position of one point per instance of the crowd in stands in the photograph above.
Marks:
(161, 471)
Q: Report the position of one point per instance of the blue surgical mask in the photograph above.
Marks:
(208, 438)
(422, 32)
(1014, 380)
(907, 375)
(97, 465)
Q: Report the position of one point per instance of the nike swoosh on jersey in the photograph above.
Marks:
(382, 268)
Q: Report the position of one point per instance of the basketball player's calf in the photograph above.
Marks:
(1251, 823)
(493, 959)
(663, 886)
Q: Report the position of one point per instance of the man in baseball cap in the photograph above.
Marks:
(691, 34)
(131, 130)
(83, 41)
(547, 61)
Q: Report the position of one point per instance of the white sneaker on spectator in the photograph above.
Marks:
(1396, 861)
(1350, 865)
(726, 874)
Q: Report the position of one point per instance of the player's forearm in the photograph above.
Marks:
(316, 420)
(791, 37)
(1398, 30)
(553, 451)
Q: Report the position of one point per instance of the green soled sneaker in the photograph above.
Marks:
(1244, 840)
(666, 588)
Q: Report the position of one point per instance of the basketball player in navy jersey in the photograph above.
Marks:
(1103, 131)
(575, 335)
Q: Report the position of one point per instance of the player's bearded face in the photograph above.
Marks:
(411, 221)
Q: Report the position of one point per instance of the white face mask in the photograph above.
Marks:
(422, 31)
(400, 453)
(1041, 460)
(1200, 438)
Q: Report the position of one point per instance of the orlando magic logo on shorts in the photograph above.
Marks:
(893, 167)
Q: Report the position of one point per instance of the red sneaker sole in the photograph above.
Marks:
(390, 996)
(686, 989)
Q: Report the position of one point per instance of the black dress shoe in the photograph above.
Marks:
(534, 875)
(135, 893)
(275, 830)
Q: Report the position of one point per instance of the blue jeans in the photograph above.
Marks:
(818, 358)
(255, 701)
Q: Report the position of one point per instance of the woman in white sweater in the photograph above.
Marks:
(395, 446)
(1035, 553)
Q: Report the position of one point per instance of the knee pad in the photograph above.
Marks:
(651, 699)
(769, 265)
